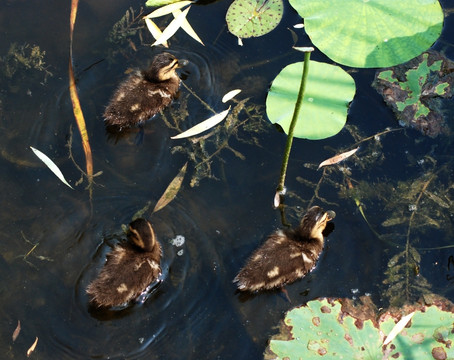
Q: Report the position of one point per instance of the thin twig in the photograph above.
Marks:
(198, 98)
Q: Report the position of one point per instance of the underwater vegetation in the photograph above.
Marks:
(125, 33)
(243, 124)
(22, 62)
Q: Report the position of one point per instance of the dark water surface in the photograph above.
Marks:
(194, 313)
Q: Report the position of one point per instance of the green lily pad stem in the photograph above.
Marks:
(296, 111)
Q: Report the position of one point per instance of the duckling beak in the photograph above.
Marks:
(182, 62)
(330, 214)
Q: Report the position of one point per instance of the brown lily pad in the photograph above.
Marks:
(417, 91)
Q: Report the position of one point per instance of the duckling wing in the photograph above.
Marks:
(280, 260)
(125, 275)
(136, 100)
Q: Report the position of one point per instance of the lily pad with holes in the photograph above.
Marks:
(339, 329)
(329, 90)
(371, 33)
(252, 18)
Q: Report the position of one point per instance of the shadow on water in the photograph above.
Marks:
(53, 245)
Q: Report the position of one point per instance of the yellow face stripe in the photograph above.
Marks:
(171, 66)
(320, 226)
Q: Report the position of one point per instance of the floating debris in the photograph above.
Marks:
(172, 189)
(178, 241)
(155, 31)
(51, 165)
(203, 126)
(188, 28)
(338, 158)
(172, 28)
(398, 328)
(32, 348)
(230, 95)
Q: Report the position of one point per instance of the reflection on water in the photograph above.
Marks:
(54, 243)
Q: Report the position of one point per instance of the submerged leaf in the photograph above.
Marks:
(168, 9)
(17, 331)
(51, 165)
(338, 158)
(171, 190)
(172, 28)
(155, 30)
(204, 125)
(187, 27)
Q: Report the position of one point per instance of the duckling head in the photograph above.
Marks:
(163, 67)
(142, 235)
(314, 222)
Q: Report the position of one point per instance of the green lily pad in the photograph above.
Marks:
(415, 91)
(252, 18)
(338, 330)
(329, 90)
(371, 33)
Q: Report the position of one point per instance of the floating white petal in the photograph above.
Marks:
(277, 199)
(172, 28)
(187, 27)
(230, 95)
(51, 165)
(168, 9)
(155, 30)
(204, 125)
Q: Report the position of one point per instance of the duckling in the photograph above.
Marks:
(129, 269)
(287, 255)
(144, 93)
